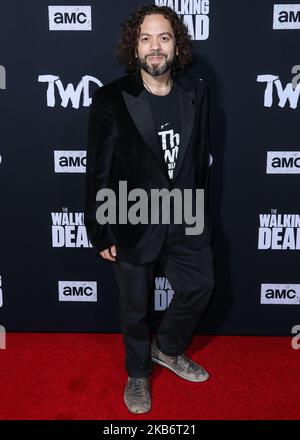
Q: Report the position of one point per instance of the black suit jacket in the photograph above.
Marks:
(123, 144)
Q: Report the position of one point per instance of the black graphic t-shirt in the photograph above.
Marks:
(166, 116)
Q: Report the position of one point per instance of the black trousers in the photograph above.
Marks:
(190, 273)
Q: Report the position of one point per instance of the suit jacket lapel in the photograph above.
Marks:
(140, 111)
(135, 98)
(187, 116)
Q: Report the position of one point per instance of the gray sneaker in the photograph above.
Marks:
(181, 365)
(137, 395)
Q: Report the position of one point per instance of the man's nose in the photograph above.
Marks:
(155, 44)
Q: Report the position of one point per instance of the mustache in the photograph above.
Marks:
(155, 55)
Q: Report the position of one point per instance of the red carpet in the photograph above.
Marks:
(81, 376)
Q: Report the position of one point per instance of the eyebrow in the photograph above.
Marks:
(162, 33)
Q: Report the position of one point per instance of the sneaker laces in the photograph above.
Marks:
(138, 386)
(186, 362)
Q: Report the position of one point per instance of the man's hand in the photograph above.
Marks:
(109, 253)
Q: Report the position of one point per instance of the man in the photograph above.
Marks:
(149, 129)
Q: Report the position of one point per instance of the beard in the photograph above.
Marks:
(156, 68)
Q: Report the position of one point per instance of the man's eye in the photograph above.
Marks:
(144, 39)
(165, 38)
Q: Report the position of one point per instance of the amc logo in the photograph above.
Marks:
(280, 294)
(283, 162)
(77, 291)
(2, 78)
(286, 16)
(69, 161)
(69, 18)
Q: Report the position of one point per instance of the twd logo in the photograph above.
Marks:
(69, 94)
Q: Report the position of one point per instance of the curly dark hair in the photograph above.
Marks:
(127, 43)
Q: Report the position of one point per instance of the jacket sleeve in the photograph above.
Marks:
(203, 144)
(102, 138)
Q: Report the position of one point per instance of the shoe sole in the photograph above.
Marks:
(136, 412)
(158, 361)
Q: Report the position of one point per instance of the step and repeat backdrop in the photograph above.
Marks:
(53, 55)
